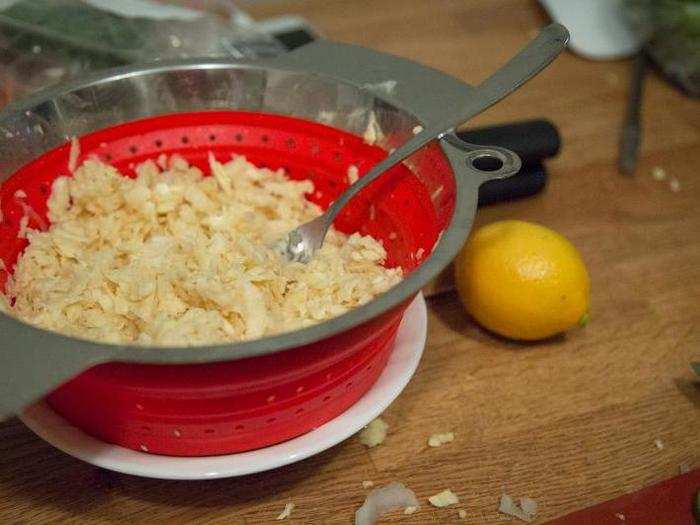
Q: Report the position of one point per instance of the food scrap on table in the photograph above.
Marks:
(384, 499)
(526, 511)
(674, 184)
(437, 440)
(658, 173)
(444, 499)
(367, 484)
(375, 433)
(286, 512)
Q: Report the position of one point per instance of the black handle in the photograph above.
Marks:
(531, 179)
(533, 141)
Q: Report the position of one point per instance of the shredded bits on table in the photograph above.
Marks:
(367, 484)
(437, 440)
(658, 173)
(462, 514)
(384, 499)
(674, 184)
(286, 512)
(375, 433)
(444, 499)
(525, 512)
(528, 505)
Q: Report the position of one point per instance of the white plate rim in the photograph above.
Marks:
(402, 364)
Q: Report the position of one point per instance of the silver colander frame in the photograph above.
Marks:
(338, 84)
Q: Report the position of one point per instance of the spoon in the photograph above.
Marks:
(304, 241)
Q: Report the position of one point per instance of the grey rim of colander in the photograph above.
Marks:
(345, 64)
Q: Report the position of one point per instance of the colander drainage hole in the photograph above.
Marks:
(348, 385)
(239, 427)
(299, 411)
(265, 138)
(272, 420)
(44, 189)
(327, 398)
(238, 137)
(184, 140)
(133, 150)
(291, 143)
(146, 429)
(108, 157)
(209, 431)
(212, 138)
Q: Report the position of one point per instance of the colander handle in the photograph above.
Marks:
(26, 374)
(480, 163)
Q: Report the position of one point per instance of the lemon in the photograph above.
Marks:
(522, 280)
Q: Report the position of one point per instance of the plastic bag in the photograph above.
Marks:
(45, 41)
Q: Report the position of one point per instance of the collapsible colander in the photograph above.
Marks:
(306, 112)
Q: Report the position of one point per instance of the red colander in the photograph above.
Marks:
(297, 113)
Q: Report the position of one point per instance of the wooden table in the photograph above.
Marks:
(570, 422)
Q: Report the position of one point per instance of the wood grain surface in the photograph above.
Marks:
(569, 422)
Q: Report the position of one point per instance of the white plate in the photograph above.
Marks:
(402, 364)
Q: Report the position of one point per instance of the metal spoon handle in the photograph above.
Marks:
(534, 57)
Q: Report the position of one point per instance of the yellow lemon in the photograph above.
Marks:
(522, 280)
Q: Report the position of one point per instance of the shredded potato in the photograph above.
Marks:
(444, 499)
(437, 440)
(176, 258)
(374, 433)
